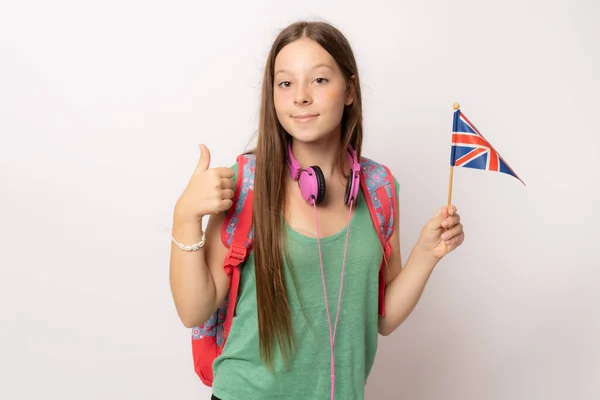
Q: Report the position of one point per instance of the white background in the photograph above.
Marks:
(102, 107)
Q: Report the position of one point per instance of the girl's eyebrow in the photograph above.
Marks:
(315, 67)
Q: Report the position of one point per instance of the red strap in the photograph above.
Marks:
(382, 268)
(381, 299)
(387, 210)
(233, 290)
(393, 189)
(387, 246)
(236, 197)
(237, 255)
(237, 251)
(386, 206)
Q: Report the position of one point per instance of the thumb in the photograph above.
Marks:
(204, 161)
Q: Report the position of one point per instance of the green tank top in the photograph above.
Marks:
(239, 373)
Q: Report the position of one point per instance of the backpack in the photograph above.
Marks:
(208, 339)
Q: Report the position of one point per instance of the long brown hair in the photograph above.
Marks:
(274, 319)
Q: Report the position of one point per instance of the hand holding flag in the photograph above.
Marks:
(471, 150)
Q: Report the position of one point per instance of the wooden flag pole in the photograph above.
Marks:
(456, 107)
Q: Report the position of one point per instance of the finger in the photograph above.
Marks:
(204, 161)
(437, 222)
(455, 241)
(451, 221)
(451, 233)
(438, 217)
(452, 210)
(227, 194)
(221, 205)
(224, 172)
(225, 205)
(227, 183)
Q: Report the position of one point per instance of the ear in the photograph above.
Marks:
(350, 90)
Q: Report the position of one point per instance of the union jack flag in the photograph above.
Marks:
(471, 150)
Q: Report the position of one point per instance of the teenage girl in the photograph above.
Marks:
(281, 339)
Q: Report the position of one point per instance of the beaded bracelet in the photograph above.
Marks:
(193, 247)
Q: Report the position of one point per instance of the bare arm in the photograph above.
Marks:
(198, 281)
(404, 286)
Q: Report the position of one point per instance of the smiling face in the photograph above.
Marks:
(309, 91)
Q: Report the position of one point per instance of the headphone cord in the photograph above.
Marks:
(332, 333)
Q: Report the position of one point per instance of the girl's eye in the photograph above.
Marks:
(320, 80)
(284, 84)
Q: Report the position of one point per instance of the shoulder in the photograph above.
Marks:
(376, 174)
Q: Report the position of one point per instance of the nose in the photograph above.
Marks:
(302, 96)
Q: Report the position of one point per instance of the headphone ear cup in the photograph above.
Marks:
(320, 184)
(352, 188)
(312, 185)
(348, 188)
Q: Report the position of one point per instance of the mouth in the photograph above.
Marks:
(304, 117)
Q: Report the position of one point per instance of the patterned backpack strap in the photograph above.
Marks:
(237, 232)
(209, 338)
(380, 194)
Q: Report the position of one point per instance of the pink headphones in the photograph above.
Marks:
(312, 182)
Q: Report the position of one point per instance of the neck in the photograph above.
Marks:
(323, 154)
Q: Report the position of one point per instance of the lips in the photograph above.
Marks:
(305, 117)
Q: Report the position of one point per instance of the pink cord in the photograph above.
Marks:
(332, 334)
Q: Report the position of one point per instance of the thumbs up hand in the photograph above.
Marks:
(209, 191)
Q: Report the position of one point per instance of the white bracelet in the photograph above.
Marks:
(193, 247)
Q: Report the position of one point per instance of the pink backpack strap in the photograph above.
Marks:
(379, 189)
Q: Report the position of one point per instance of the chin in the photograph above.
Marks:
(307, 136)
(311, 135)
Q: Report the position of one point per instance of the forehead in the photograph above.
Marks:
(303, 55)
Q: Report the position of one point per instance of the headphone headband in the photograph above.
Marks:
(312, 181)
